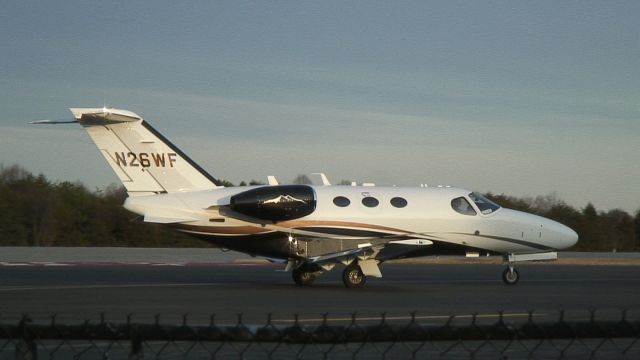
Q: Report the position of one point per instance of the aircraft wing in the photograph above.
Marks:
(398, 247)
(344, 254)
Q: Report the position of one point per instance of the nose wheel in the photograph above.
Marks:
(510, 275)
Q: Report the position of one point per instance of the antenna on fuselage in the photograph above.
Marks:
(271, 180)
(323, 177)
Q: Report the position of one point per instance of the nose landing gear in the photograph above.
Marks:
(510, 275)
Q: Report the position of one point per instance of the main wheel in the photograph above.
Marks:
(353, 276)
(510, 276)
(303, 276)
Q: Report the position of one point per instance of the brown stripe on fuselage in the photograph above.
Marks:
(305, 223)
(231, 230)
(293, 224)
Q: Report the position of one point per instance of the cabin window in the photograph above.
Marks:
(370, 201)
(485, 205)
(398, 202)
(462, 206)
(341, 201)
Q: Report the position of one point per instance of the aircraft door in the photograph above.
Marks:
(532, 232)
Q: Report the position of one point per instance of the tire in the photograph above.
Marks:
(510, 277)
(302, 276)
(353, 277)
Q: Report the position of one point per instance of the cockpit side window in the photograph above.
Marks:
(485, 205)
(462, 206)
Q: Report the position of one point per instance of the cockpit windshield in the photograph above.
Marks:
(462, 206)
(485, 205)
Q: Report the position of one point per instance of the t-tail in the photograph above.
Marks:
(144, 160)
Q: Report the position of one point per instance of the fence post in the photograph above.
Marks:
(135, 336)
(27, 349)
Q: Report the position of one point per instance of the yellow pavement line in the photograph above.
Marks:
(408, 317)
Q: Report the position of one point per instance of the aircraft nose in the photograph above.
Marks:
(562, 235)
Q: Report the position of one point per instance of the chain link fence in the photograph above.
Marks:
(532, 336)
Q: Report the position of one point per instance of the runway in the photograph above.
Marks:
(77, 293)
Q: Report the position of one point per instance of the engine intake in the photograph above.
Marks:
(275, 203)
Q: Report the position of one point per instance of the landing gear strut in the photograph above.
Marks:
(303, 275)
(353, 276)
(510, 275)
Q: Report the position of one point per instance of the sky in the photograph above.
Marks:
(517, 97)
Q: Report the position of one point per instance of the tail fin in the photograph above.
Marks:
(144, 160)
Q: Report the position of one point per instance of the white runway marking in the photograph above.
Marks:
(160, 285)
(454, 281)
(14, 264)
(56, 264)
(134, 263)
(168, 264)
(82, 287)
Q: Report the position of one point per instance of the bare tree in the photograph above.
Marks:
(302, 179)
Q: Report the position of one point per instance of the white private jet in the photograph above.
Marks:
(313, 228)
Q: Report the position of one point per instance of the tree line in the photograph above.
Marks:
(613, 230)
(37, 212)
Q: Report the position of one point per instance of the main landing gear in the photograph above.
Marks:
(352, 276)
(304, 275)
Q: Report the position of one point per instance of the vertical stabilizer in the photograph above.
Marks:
(144, 160)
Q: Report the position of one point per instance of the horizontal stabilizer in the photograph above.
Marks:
(103, 115)
(46, 122)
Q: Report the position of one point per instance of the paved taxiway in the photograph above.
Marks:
(82, 292)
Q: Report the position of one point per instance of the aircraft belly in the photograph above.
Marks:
(306, 239)
(271, 245)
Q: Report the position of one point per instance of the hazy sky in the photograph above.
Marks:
(522, 98)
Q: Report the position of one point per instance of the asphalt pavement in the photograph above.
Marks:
(222, 291)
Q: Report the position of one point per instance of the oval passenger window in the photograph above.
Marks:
(341, 201)
(370, 201)
(398, 202)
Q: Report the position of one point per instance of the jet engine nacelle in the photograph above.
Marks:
(275, 203)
